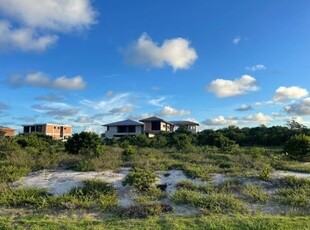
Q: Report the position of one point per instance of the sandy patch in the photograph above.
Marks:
(281, 173)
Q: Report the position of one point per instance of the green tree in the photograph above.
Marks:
(84, 143)
(298, 146)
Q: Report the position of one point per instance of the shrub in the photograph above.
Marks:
(12, 173)
(86, 143)
(129, 152)
(265, 174)
(141, 179)
(298, 146)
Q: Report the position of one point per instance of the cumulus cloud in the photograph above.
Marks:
(175, 52)
(25, 39)
(37, 23)
(302, 108)
(168, 111)
(230, 88)
(84, 119)
(283, 94)
(39, 79)
(221, 121)
(244, 107)
(258, 118)
(256, 67)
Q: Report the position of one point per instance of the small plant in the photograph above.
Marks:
(141, 179)
(129, 152)
(265, 174)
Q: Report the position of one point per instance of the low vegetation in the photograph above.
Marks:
(244, 159)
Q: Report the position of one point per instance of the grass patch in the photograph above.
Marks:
(212, 203)
(294, 192)
(255, 193)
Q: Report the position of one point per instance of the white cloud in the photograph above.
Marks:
(56, 109)
(221, 121)
(244, 107)
(25, 39)
(124, 109)
(168, 111)
(256, 67)
(302, 108)
(236, 40)
(158, 101)
(40, 79)
(176, 53)
(110, 102)
(230, 88)
(259, 118)
(37, 23)
(283, 94)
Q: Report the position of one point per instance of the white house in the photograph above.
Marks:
(123, 128)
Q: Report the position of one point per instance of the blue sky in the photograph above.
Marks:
(220, 63)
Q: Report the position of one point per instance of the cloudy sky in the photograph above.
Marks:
(92, 62)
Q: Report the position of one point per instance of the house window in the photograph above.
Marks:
(54, 127)
(131, 129)
(108, 128)
(155, 125)
(122, 129)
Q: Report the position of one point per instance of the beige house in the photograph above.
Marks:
(153, 125)
(190, 125)
(6, 132)
(56, 131)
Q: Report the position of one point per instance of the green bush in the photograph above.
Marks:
(145, 210)
(12, 173)
(86, 143)
(298, 146)
(129, 152)
(141, 179)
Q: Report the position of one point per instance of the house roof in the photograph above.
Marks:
(124, 123)
(155, 119)
(2, 127)
(184, 123)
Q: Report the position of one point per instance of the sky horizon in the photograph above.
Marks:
(87, 63)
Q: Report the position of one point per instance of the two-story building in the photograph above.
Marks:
(189, 125)
(55, 131)
(6, 132)
(153, 125)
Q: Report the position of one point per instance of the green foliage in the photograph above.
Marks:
(296, 192)
(265, 174)
(141, 179)
(255, 193)
(298, 146)
(33, 197)
(85, 143)
(129, 152)
(12, 173)
(214, 202)
(37, 140)
(145, 210)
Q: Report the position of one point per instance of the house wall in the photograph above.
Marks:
(7, 132)
(165, 127)
(113, 132)
(57, 132)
